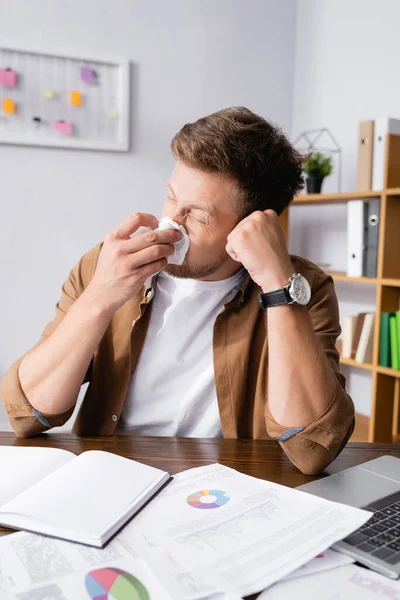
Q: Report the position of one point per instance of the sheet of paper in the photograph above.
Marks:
(21, 467)
(33, 567)
(343, 583)
(179, 580)
(241, 533)
(323, 562)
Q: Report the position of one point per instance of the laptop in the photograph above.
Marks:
(374, 486)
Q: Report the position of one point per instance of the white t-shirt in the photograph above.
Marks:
(172, 391)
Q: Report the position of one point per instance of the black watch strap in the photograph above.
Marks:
(277, 298)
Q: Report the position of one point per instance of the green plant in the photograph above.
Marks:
(318, 165)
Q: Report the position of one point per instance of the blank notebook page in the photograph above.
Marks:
(86, 495)
(22, 467)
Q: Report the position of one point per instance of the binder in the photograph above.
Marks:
(365, 155)
(384, 342)
(398, 331)
(357, 214)
(371, 237)
(395, 363)
(382, 127)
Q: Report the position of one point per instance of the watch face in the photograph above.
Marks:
(300, 290)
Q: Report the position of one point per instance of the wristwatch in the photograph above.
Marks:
(297, 291)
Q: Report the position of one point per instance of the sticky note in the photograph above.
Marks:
(76, 98)
(8, 78)
(49, 94)
(9, 106)
(113, 114)
(88, 75)
(63, 127)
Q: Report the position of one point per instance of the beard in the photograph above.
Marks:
(187, 271)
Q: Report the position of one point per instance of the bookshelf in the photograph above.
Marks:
(384, 423)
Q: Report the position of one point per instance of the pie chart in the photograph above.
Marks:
(208, 499)
(114, 584)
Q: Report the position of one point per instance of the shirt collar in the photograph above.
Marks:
(237, 296)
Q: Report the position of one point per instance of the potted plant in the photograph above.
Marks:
(317, 168)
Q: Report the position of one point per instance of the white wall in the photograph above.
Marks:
(189, 58)
(346, 70)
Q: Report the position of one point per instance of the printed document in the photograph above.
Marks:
(35, 567)
(241, 533)
(351, 582)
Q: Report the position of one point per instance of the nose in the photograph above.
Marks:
(179, 216)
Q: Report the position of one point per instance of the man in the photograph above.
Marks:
(215, 346)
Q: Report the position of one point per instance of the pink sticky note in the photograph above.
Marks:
(63, 127)
(8, 78)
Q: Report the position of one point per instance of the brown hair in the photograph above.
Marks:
(238, 143)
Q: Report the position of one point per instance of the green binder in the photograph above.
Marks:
(398, 334)
(393, 342)
(384, 345)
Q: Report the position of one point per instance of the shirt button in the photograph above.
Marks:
(149, 293)
(114, 418)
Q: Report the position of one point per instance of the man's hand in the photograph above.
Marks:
(259, 244)
(125, 263)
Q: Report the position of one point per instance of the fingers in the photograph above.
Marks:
(131, 224)
(152, 268)
(256, 217)
(232, 252)
(149, 255)
(151, 238)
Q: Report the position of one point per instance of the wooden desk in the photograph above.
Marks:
(254, 457)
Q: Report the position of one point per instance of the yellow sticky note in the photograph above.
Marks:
(49, 94)
(9, 106)
(76, 98)
(113, 114)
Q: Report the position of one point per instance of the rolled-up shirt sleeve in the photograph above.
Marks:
(314, 447)
(24, 419)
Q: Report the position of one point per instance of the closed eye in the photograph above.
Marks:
(200, 217)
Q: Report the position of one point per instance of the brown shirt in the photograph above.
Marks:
(240, 348)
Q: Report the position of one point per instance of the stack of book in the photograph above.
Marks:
(389, 343)
(358, 337)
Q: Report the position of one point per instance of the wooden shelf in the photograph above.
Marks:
(388, 371)
(341, 198)
(390, 282)
(350, 362)
(341, 276)
(392, 192)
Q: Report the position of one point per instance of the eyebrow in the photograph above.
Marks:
(192, 205)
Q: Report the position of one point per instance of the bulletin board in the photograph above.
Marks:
(63, 100)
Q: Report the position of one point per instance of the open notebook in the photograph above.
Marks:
(85, 498)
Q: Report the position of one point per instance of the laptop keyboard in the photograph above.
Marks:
(380, 536)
